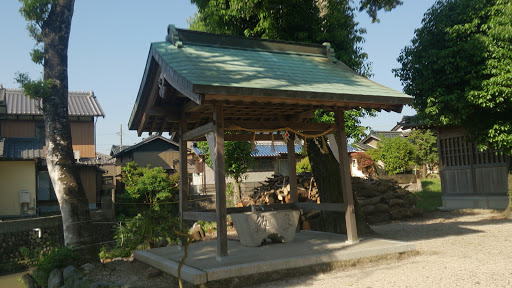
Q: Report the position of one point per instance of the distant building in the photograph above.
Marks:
(25, 185)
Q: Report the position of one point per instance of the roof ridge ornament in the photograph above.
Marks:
(173, 37)
(330, 52)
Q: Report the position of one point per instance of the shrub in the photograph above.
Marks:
(56, 258)
(152, 186)
(303, 166)
(397, 154)
(146, 229)
(365, 163)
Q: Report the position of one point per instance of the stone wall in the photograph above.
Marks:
(23, 241)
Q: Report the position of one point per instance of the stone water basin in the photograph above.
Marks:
(254, 227)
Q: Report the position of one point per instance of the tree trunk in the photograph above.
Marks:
(326, 171)
(237, 194)
(74, 206)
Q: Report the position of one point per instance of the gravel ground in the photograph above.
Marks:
(456, 249)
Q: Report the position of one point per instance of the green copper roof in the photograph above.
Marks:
(208, 65)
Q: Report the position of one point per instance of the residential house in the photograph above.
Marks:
(370, 142)
(155, 151)
(25, 185)
(268, 160)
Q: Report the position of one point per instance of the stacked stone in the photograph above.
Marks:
(384, 200)
(380, 200)
(23, 249)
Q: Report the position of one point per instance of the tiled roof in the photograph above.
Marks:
(100, 159)
(379, 136)
(21, 148)
(363, 146)
(302, 75)
(117, 148)
(79, 104)
(146, 140)
(266, 150)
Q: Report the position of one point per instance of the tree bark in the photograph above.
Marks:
(326, 171)
(74, 206)
(237, 194)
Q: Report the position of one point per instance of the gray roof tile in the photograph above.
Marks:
(80, 104)
(21, 148)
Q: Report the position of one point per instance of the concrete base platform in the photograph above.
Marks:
(308, 248)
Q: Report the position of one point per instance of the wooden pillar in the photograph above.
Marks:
(346, 181)
(220, 182)
(183, 171)
(290, 145)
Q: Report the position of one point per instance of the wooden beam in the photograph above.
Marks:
(183, 172)
(149, 104)
(199, 132)
(310, 206)
(250, 137)
(164, 111)
(220, 182)
(346, 179)
(345, 101)
(190, 106)
(176, 80)
(298, 126)
(292, 172)
(197, 215)
(272, 207)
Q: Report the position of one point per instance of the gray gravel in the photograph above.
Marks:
(471, 248)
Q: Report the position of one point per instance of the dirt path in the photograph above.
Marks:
(471, 249)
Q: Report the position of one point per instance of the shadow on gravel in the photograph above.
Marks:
(436, 225)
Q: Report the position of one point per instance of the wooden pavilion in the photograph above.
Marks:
(228, 87)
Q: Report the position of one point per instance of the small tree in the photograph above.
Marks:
(396, 153)
(238, 161)
(148, 185)
(365, 163)
(425, 146)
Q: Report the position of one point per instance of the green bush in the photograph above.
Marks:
(110, 253)
(146, 229)
(397, 154)
(303, 166)
(56, 258)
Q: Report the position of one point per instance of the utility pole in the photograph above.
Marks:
(121, 135)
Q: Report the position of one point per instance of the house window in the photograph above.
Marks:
(354, 163)
(45, 190)
(108, 180)
(40, 132)
(262, 165)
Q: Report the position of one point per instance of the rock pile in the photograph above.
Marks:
(71, 277)
(380, 200)
(384, 200)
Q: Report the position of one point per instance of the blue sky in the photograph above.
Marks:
(110, 42)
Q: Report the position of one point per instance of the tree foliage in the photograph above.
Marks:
(152, 186)
(396, 153)
(306, 21)
(303, 165)
(425, 147)
(365, 163)
(459, 68)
